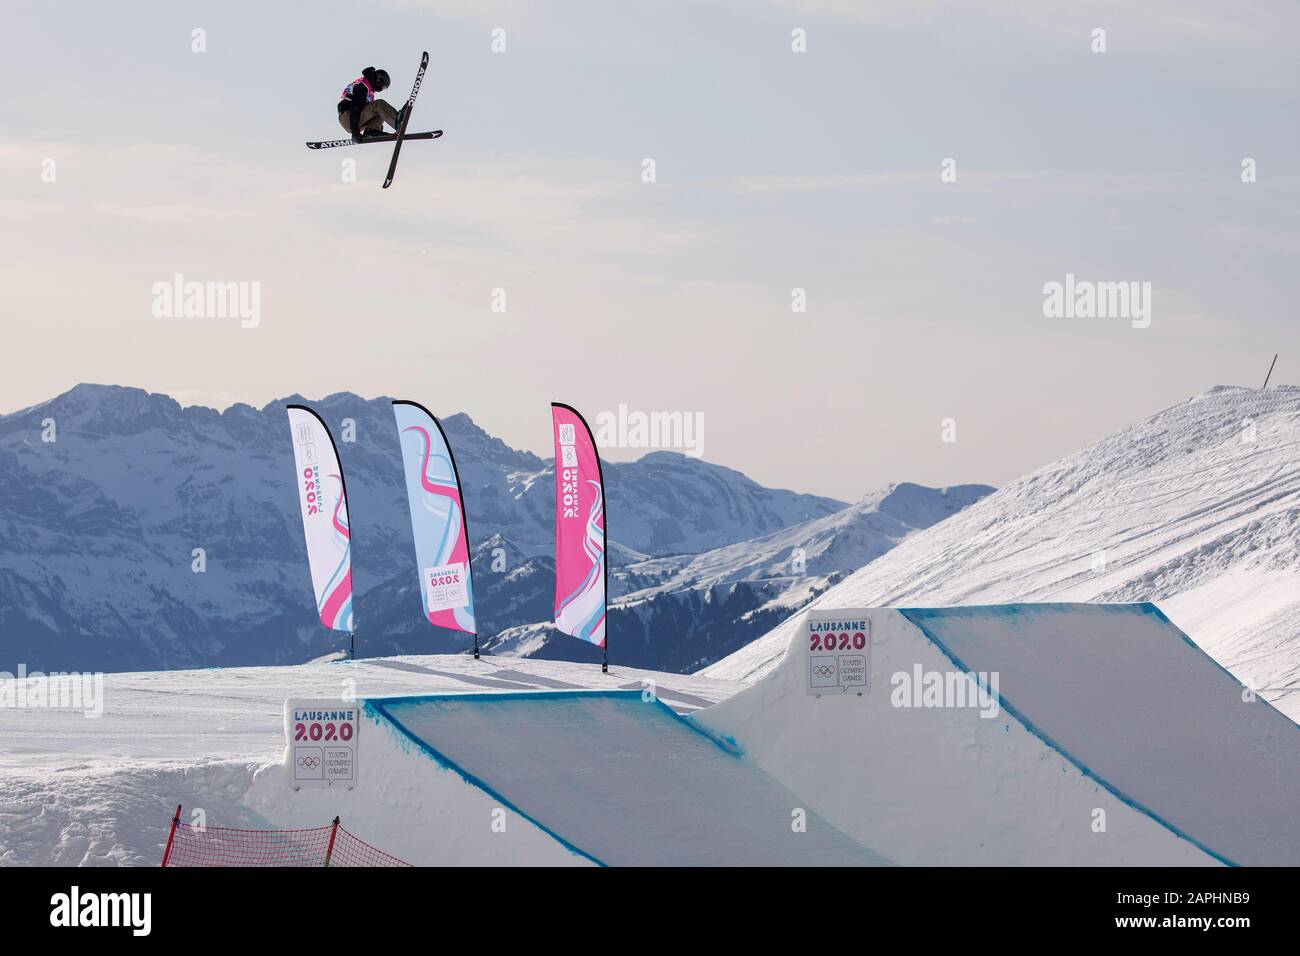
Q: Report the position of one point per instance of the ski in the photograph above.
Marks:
(386, 138)
(406, 118)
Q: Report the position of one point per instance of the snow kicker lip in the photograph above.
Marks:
(1115, 741)
(1111, 763)
(376, 707)
(616, 777)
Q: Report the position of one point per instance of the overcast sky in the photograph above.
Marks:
(775, 170)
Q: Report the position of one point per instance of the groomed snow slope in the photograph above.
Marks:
(1196, 508)
(1102, 708)
(618, 778)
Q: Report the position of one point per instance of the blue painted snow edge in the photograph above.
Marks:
(377, 708)
(920, 615)
(726, 744)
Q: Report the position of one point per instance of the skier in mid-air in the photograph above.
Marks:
(360, 113)
(364, 117)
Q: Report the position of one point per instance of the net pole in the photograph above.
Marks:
(329, 850)
(171, 835)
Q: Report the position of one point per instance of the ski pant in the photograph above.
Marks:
(373, 116)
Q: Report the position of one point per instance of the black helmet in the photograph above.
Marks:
(378, 78)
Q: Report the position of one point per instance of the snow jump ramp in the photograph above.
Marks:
(615, 778)
(1116, 740)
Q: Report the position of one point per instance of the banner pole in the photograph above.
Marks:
(600, 470)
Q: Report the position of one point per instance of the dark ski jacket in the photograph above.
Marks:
(355, 96)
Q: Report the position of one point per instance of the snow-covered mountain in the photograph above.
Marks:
(685, 611)
(100, 527)
(844, 541)
(1196, 508)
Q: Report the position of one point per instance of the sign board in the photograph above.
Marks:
(838, 652)
(444, 587)
(322, 742)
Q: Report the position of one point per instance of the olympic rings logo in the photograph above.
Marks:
(309, 763)
(824, 670)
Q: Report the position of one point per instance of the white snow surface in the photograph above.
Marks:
(1119, 714)
(1197, 509)
(1107, 714)
(616, 776)
(101, 791)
